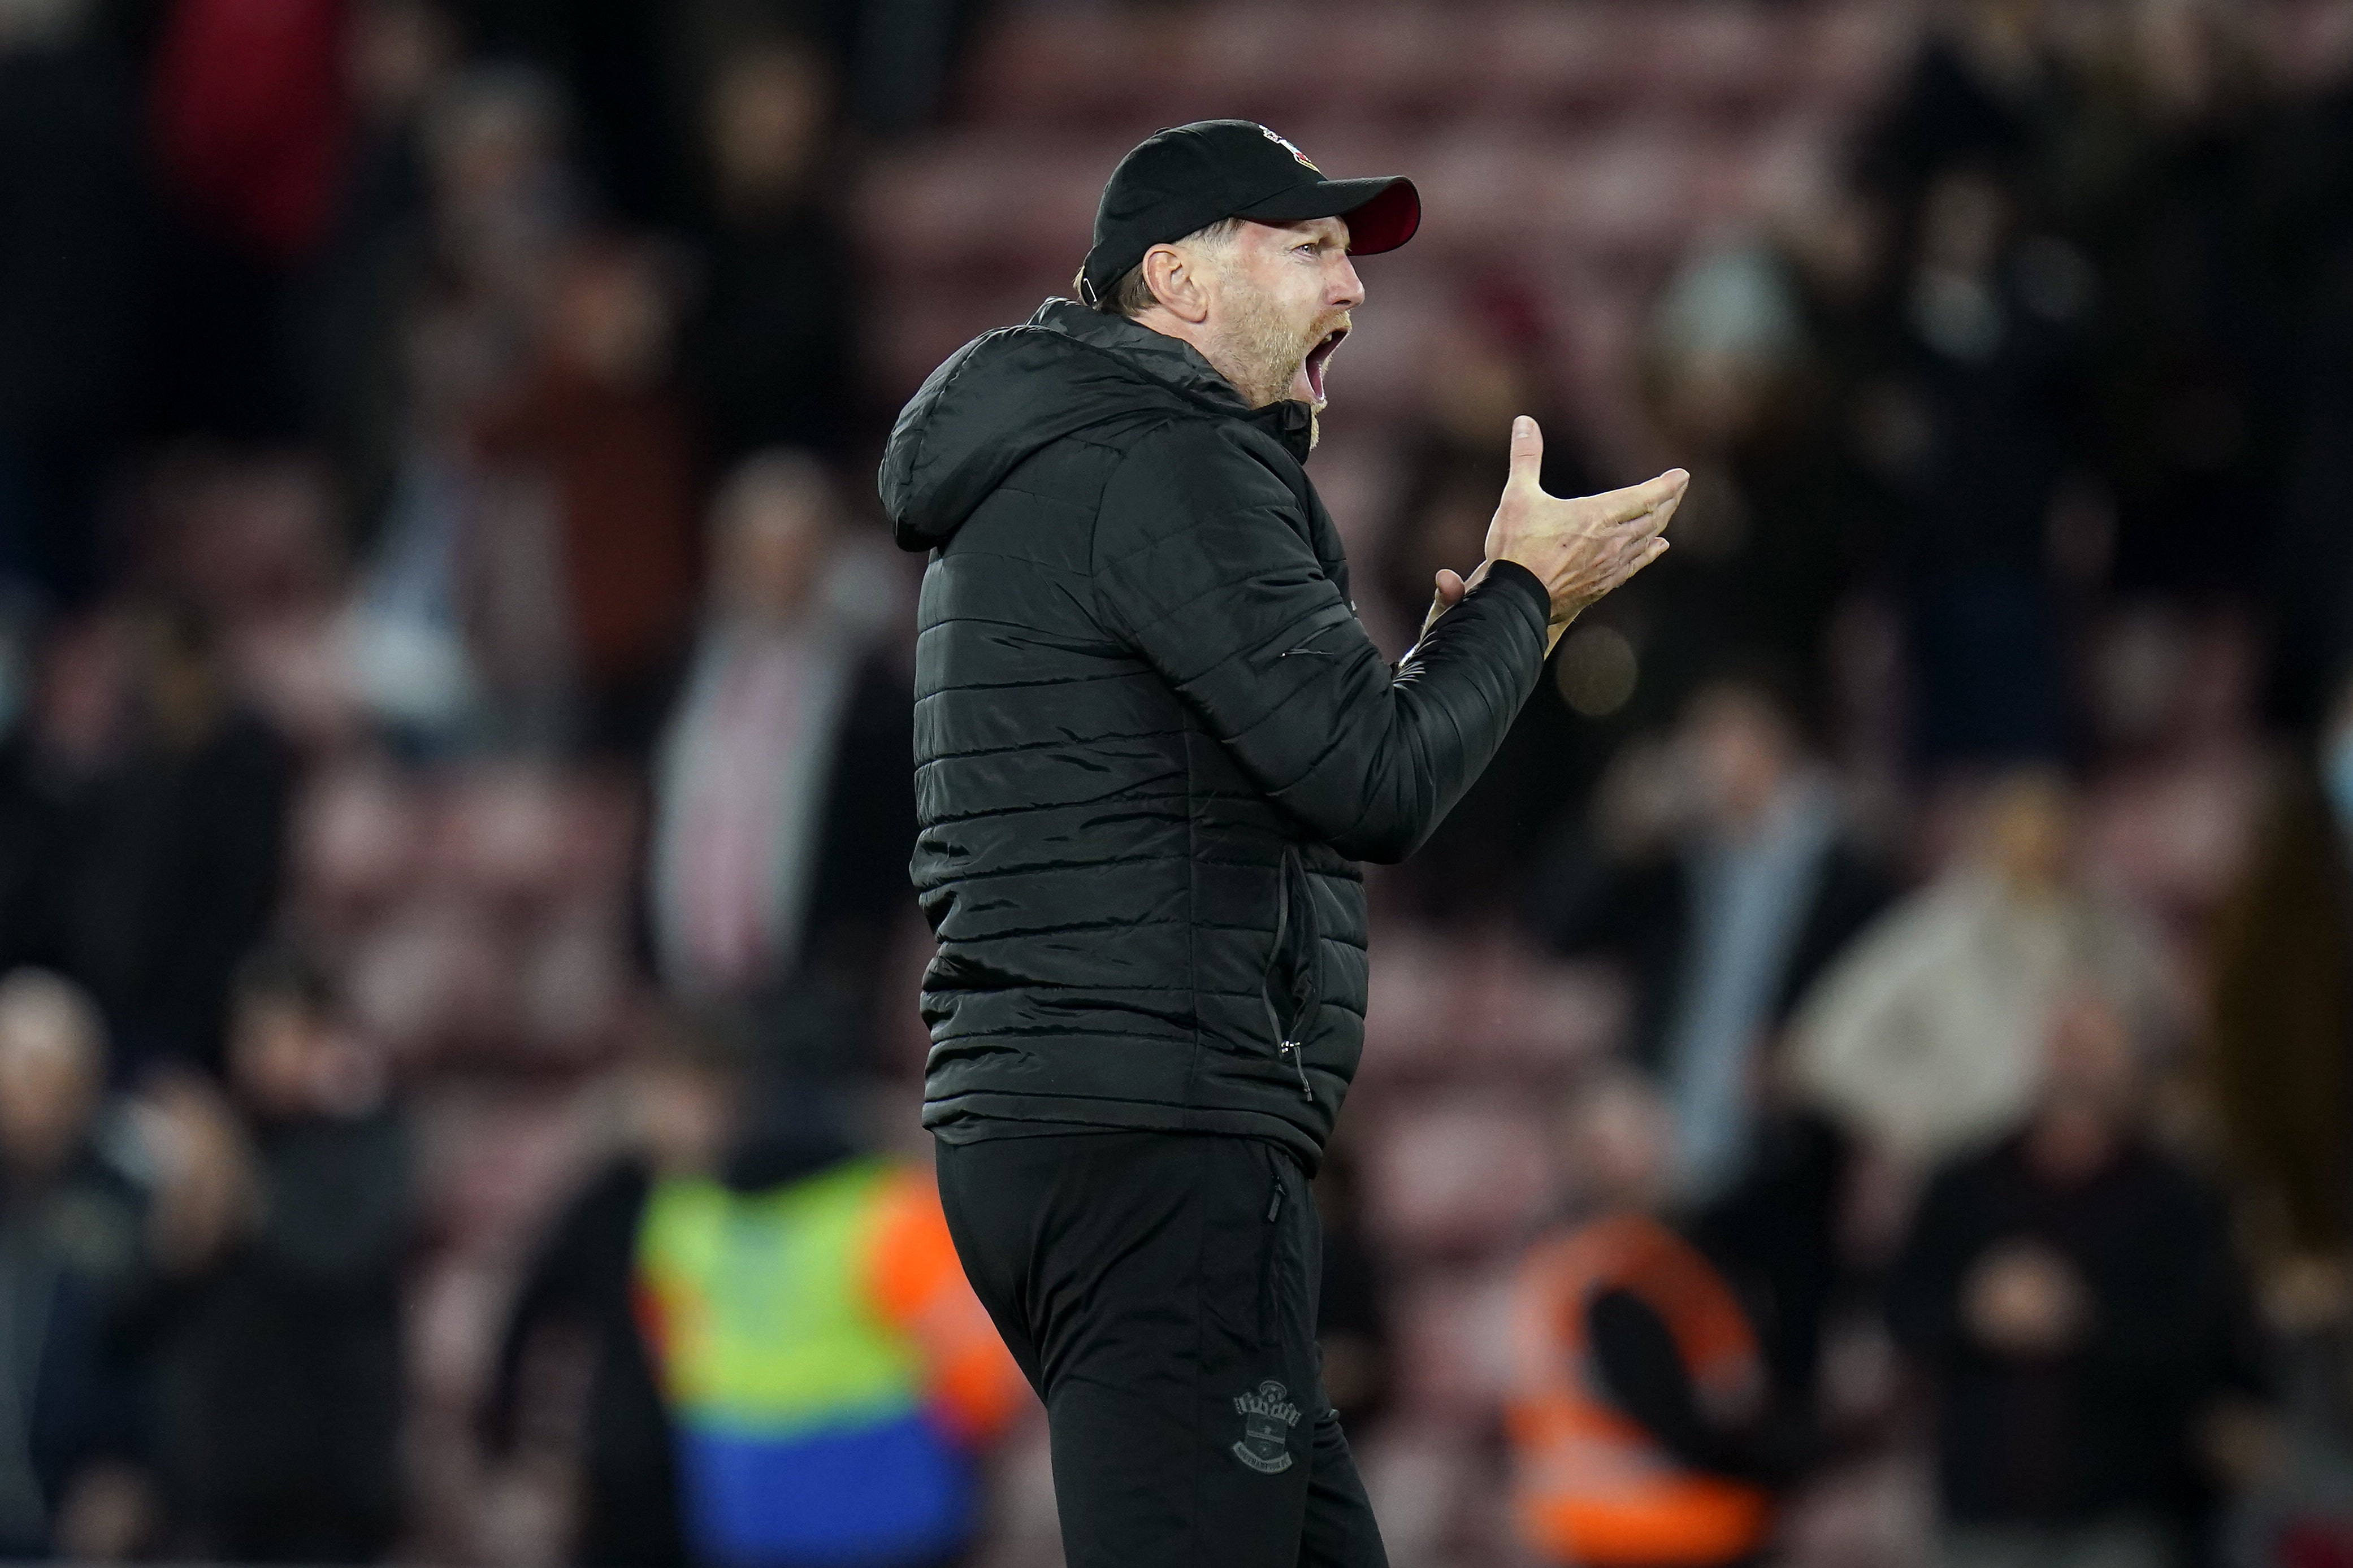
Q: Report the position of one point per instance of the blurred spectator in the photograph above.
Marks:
(175, 854)
(2310, 225)
(1723, 872)
(1926, 1034)
(1976, 415)
(783, 809)
(1639, 1417)
(72, 1232)
(1749, 376)
(2191, 422)
(786, 1366)
(1980, 90)
(597, 501)
(428, 334)
(503, 197)
(355, 293)
(70, 220)
(1780, 1235)
(2305, 222)
(2311, 579)
(405, 633)
(2282, 1022)
(249, 122)
(2073, 1293)
(282, 1221)
(250, 119)
(1488, 367)
(37, 786)
(1973, 434)
(616, 64)
(768, 349)
(79, 720)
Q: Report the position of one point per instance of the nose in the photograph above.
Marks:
(1349, 289)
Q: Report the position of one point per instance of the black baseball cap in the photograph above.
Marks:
(1189, 177)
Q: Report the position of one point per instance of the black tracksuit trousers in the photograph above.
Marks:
(1159, 1291)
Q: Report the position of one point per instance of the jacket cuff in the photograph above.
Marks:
(1510, 577)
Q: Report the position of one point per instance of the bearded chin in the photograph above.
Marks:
(1267, 355)
(1280, 367)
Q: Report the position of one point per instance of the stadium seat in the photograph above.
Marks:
(1456, 1174)
(518, 836)
(1426, 1478)
(1452, 1342)
(435, 977)
(1551, 62)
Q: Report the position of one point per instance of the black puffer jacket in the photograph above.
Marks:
(1152, 739)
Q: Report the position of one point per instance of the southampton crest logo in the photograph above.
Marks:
(1268, 1415)
(1285, 144)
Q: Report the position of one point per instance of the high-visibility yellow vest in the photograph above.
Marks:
(823, 1361)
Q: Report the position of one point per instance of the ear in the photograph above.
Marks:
(1176, 280)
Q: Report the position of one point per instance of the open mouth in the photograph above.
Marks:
(1318, 357)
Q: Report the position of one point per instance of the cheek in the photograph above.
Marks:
(1289, 292)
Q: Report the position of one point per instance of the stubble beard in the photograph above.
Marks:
(1261, 353)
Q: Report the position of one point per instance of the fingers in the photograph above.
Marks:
(1649, 496)
(1653, 524)
(1527, 454)
(1650, 551)
(1628, 567)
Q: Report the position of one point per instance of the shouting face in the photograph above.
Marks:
(1278, 298)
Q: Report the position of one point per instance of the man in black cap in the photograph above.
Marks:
(1152, 744)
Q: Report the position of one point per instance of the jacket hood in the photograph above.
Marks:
(1009, 393)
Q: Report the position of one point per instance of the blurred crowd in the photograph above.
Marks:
(1867, 1078)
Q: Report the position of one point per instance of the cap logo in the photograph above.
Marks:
(1282, 142)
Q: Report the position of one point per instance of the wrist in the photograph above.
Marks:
(1505, 574)
(1504, 569)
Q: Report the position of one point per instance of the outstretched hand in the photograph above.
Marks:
(1580, 548)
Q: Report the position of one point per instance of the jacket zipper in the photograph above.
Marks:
(1287, 1046)
(1298, 1065)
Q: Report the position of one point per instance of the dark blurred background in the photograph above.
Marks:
(454, 713)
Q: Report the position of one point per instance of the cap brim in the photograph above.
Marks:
(1382, 212)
